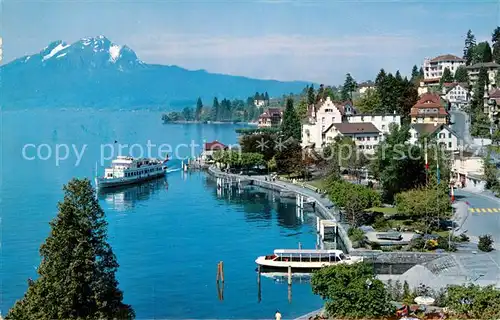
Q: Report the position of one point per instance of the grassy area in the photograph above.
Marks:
(385, 210)
(320, 183)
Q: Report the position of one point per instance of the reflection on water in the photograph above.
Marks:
(259, 205)
(125, 197)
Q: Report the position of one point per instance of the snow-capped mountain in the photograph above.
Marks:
(87, 52)
(97, 72)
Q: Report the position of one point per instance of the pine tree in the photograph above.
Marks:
(291, 127)
(482, 53)
(414, 73)
(320, 94)
(310, 95)
(349, 86)
(495, 40)
(461, 75)
(77, 272)
(199, 108)
(470, 43)
(446, 77)
(421, 73)
(477, 103)
(216, 110)
(266, 98)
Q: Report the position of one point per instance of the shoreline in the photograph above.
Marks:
(210, 122)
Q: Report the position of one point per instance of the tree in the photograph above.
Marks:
(76, 277)
(397, 166)
(485, 243)
(216, 109)
(266, 97)
(473, 301)
(482, 53)
(461, 75)
(289, 158)
(291, 127)
(495, 40)
(477, 103)
(351, 291)
(490, 173)
(349, 86)
(470, 43)
(421, 73)
(187, 114)
(446, 77)
(311, 99)
(262, 142)
(302, 108)
(368, 102)
(414, 74)
(199, 108)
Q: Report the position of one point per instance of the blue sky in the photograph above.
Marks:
(273, 39)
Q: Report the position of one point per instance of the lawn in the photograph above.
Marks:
(319, 183)
(387, 211)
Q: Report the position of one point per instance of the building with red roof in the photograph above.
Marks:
(429, 109)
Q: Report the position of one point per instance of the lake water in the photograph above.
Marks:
(168, 235)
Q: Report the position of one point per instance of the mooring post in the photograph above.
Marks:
(218, 272)
(222, 271)
(290, 275)
(300, 245)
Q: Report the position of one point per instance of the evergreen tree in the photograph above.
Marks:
(77, 272)
(321, 92)
(349, 86)
(199, 109)
(216, 110)
(266, 98)
(414, 74)
(446, 77)
(187, 114)
(381, 84)
(495, 40)
(421, 73)
(482, 53)
(461, 75)
(310, 95)
(470, 43)
(291, 127)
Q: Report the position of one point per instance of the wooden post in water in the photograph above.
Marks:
(300, 246)
(259, 292)
(218, 272)
(222, 271)
(289, 275)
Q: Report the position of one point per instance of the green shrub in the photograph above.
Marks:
(485, 243)
(356, 234)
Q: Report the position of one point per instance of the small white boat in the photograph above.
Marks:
(303, 260)
(127, 170)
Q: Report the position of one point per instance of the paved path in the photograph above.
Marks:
(472, 218)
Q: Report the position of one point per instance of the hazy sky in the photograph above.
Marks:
(281, 39)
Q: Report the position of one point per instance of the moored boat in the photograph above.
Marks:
(126, 170)
(303, 260)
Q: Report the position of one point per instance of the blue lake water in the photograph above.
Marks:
(168, 235)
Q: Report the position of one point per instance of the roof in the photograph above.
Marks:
(340, 105)
(494, 93)
(214, 145)
(430, 128)
(429, 100)
(366, 84)
(451, 85)
(484, 65)
(447, 57)
(429, 97)
(271, 112)
(353, 128)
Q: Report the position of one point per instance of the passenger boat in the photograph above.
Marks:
(303, 260)
(126, 170)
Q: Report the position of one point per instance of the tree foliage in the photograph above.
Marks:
(396, 94)
(239, 160)
(351, 292)
(482, 53)
(470, 43)
(485, 243)
(495, 40)
(473, 301)
(291, 126)
(289, 159)
(259, 142)
(446, 77)
(76, 277)
(199, 108)
(461, 74)
(368, 102)
(398, 166)
(349, 86)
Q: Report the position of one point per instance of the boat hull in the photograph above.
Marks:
(117, 182)
(271, 266)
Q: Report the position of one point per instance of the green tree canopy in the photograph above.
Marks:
(76, 277)
(495, 40)
(446, 77)
(461, 74)
(368, 102)
(291, 126)
(470, 43)
(351, 292)
(349, 86)
(482, 53)
(474, 301)
(199, 109)
(414, 73)
(311, 98)
(188, 114)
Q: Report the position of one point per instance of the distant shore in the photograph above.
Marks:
(210, 122)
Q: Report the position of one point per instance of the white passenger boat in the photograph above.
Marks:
(303, 260)
(127, 170)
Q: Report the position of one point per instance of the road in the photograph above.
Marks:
(480, 213)
(460, 125)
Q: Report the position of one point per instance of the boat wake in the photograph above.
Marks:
(173, 170)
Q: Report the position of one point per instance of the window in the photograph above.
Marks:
(361, 147)
(442, 135)
(449, 135)
(323, 120)
(383, 127)
(367, 138)
(368, 147)
(375, 138)
(449, 145)
(333, 119)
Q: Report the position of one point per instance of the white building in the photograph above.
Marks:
(365, 86)
(318, 131)
(491, 68)
(456, 93)
(467, 170)
(492, 103)
(433, 68)
(259, 103)
(365, 135)
(443, 134)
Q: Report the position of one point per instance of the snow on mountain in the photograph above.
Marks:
(59, 47)
(114, 52)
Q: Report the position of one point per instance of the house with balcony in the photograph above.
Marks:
(366, 136)
(492, 69)
(429, 109)
(456, 93)
(444, 136)
(433, 68)
(270, 118)
(492, 103)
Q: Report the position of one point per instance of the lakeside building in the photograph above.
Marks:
(272, 117)
(210, 148)
(259, 103)
(492, 69)
(429, 109)
(443, 134)
(433, 68)
(365, 86)
(329, 119)
(456, 93)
